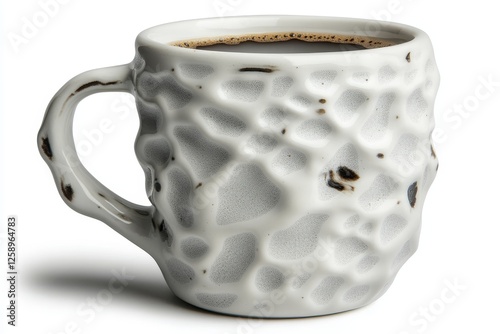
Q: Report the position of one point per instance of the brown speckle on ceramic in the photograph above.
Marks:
(341, 186)
(95, 83)
(46, 147)
(257, 69)
(412, 194)
(347, 173)
(335, 185)
(67, 191)
(157, 186)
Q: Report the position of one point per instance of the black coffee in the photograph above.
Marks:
(286, 43)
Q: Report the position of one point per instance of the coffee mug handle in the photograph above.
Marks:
(78, 188)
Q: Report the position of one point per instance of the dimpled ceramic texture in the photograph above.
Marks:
(281, 185)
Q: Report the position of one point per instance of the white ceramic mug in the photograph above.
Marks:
(287, 158)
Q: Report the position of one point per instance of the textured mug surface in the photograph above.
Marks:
(282, 185)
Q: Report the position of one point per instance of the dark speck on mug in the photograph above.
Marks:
(67, 191)
(46, 147)
(335, 185)
(412, 194)
(157, 186)
(347, 174)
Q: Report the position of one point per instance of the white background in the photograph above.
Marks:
(66, 259)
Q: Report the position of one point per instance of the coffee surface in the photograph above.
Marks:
(289, 42)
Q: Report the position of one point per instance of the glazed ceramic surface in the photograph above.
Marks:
(282, 185)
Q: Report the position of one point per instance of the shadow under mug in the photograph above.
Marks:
(287, 158)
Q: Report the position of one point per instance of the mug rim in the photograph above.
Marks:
(162, 36)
